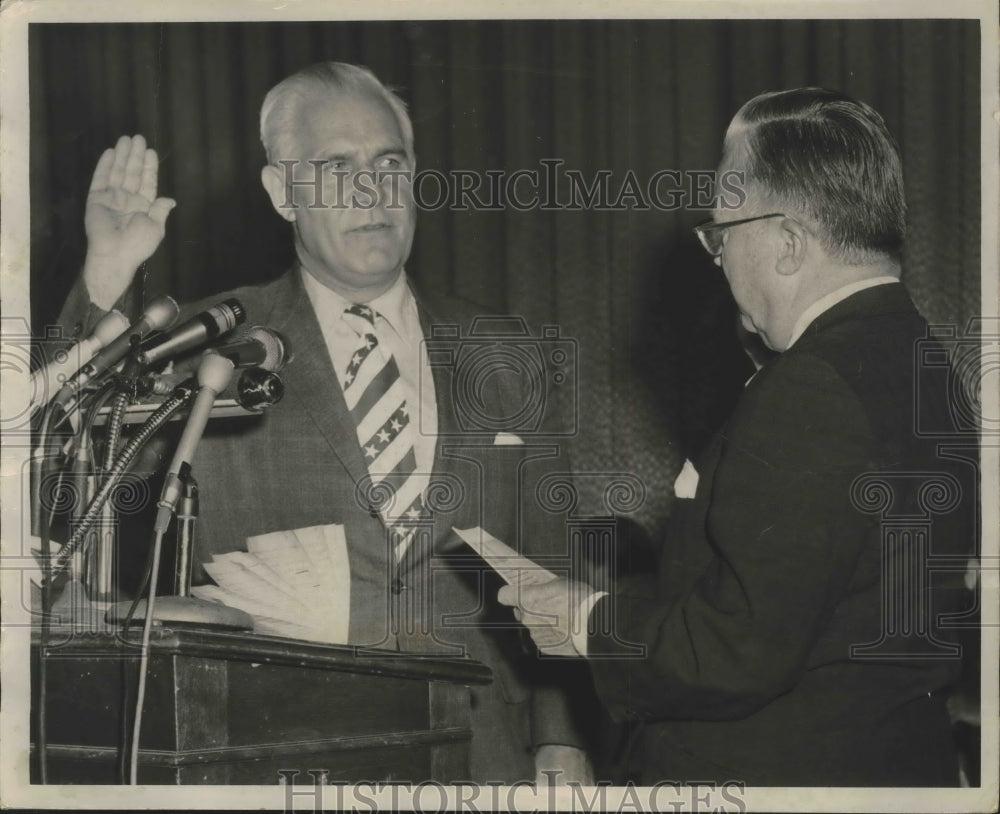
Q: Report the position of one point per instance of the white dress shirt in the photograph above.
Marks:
(823, 304)
(398, 329)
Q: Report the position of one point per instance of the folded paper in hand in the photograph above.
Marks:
(293, 583)
(511, 566)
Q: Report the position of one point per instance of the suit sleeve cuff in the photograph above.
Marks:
(579, 633)
(79, 314)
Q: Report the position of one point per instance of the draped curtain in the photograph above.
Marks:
(650, 318)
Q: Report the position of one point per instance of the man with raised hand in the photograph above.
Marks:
(362, 405)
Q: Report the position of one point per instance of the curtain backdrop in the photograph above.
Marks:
(654, 327)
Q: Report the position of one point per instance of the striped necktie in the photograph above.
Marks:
(377, 402)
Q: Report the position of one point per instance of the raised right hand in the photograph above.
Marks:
(124, 219)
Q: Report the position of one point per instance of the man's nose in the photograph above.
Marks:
(366, 188)
(388, 184)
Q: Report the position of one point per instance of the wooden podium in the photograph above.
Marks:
(235, 708)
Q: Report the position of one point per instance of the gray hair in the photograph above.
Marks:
(832, 158)
(279, 113)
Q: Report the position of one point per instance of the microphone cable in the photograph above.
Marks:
(114, 474)
(147, 629)
(124, 734)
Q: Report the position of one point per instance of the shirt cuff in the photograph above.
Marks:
(579, 633)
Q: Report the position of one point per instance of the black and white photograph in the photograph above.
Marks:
(538, 407)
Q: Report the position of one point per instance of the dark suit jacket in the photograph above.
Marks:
(300, 465)
(810, 498)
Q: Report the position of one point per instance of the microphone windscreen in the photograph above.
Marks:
(274, 345)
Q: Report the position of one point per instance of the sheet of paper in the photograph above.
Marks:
(313, 541)
(293, 583)
(213, 593)
(237, 579)
(512, 567)
(328, 559)
(253, 564)
(338, 576)
(283, 553)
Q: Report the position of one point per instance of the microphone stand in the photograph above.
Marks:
(98, 548)
(114, 474)
(93, 562)
(182, 609)
(187, 515)
(214, 374)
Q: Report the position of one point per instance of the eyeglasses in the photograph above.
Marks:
(711, 233)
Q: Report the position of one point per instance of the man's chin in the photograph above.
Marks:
(377, 275)
(762, 335)
(350, 282)
(379, 269)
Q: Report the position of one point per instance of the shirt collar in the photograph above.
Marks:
(826, 303)
(396, 306)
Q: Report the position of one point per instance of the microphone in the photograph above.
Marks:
(262, 352)
(47, 380)
(256, 347)
(255, 389)
(201, 328)
(159, 315)
(214, 374)
(258, 389)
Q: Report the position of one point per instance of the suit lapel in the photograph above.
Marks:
(447, 426)
(310, 377)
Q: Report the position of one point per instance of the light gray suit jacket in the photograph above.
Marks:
(300, 465)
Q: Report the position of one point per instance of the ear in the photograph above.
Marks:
(794, 243)
(274, 184)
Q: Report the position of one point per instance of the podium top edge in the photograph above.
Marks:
(262, 649)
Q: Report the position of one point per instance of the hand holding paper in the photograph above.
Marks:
(544, 603)
(512, 567)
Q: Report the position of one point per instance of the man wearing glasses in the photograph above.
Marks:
(791, 635)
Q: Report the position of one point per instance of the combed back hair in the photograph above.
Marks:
(832, 159)
(279, 115)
